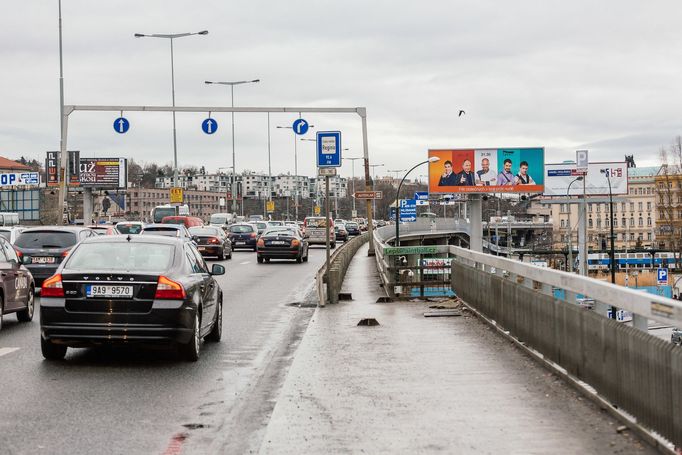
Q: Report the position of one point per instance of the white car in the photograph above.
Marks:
(10, 233)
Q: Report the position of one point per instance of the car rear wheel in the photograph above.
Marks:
(2, 308)
(190, 351)
(26, 315)
(217, 331)
(299, 259)
(52, 351)
(259, 259)
(221, 256)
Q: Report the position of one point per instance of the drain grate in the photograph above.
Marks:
(368, 322)
(345, 296)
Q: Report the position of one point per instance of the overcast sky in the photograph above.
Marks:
(563, 74)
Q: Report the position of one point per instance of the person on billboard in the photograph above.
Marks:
(465, 177)
(448, 178)
(506, 177)
(522, 178)
(485, 176)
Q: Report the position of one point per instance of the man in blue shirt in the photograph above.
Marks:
(448, 178)
(506, 177)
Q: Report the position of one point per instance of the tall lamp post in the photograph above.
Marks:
(612, 252)
(352, 160)
(295, 166)
(433, 159)
(570, 228)
(374, 201)
(170, 37)
(234, 168)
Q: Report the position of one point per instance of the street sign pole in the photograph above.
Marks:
(327, 225)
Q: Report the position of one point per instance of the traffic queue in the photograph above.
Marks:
(138, 283)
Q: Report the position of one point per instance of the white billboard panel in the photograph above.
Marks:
(559, 176)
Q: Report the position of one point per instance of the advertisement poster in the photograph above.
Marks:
(558, 177)
(499, 170)
(103, 172)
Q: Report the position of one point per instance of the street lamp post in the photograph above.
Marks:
(570, 228)
(612, 252)
(295, 167)
(433, 159)
(171, 37)
(234, 168)
(352, 160)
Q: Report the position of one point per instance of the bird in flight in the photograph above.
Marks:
(461, 112)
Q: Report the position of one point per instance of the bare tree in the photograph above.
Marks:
(669, 198)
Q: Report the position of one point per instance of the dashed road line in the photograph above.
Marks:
(4, 351)
(245, 262)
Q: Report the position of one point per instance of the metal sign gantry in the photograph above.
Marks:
(360, 111)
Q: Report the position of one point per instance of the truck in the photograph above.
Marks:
(222, 220)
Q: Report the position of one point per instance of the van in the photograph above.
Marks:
(187, 221)
(316, 230)
(222, 220)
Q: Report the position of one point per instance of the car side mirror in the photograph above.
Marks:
(217, 269)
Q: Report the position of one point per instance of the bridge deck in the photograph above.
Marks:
(416, 384)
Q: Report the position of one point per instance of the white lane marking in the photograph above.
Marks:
(245, 262)
(4, 351)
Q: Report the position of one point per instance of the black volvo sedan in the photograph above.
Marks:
(131, 289)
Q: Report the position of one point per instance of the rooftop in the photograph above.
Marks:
(6, 163)
(649, 171)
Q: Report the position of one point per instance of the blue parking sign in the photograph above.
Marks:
(408, 210)
(662, 276)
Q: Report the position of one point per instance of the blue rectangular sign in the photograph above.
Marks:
(421, 195)
(328, 149)
(408, 210)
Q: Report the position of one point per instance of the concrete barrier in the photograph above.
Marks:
(329, 284)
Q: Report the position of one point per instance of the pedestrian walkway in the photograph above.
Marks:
(423, 385)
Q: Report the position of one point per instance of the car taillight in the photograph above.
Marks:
(213, 240)
(295, 242)
(253, 235)
(169, 290)
(52, 287)
(260, 242)
(66, 253)
(19, 253)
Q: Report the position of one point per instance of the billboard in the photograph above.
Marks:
(51, 163)
(492, 170)
(20, 179)
(559, 176)
(103, 172)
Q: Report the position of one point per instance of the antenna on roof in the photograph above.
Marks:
(129, 238)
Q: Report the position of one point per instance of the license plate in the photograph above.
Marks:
(202, 248)
(96, 290)
(42, 260)
(240, 243)
(278, 242)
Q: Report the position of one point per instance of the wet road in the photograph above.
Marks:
(130, 400)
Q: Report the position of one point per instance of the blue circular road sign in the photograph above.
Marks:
(121, 125)
(300, 126)
(209, 126)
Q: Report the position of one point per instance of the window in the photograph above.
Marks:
(563, 223)
(639, 206)
(648, 222)
(598, 208)
(622, 206)
(632, 236)
(590, 224)
(632, 206)
(622, 222)
(598, 223)
(648, 236)
(632, 222)
(589, 207)
(640, 222)
(648, 206)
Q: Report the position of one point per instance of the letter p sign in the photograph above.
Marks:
(581, 160)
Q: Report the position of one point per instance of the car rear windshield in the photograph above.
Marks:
(6, 234)
(46, 239)
(161, 231)
(315, 222)
(280, 233)
(262, 225)
(118, 256)
(241, 229)
(129, 228)
(352, 225)
(203, 231)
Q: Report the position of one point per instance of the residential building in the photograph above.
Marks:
(669, 208)
(201, 203)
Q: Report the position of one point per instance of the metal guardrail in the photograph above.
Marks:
(629, 368)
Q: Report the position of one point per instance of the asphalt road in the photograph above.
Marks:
(142, 401)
